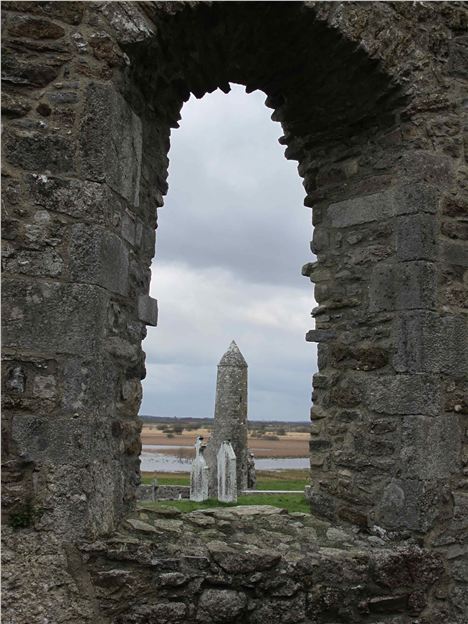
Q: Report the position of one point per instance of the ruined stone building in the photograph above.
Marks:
(230, 417)
(371, 98)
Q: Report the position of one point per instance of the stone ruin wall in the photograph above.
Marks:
(370, 98)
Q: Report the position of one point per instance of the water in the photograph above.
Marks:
(152, 461)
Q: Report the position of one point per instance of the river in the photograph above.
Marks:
(152, 461)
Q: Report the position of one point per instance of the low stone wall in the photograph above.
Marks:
(257, 564)
(163, 492)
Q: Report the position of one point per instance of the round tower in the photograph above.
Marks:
(230, 417)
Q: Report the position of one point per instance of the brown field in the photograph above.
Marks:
(293, 444)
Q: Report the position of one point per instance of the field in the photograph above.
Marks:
(266, 480)
(262, 443)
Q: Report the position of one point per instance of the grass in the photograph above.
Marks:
(282, 479)
(266, 480)
(291, 502)
(166, 478)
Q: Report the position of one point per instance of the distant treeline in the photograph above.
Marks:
(207, 423)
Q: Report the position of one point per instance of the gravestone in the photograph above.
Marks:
(230, 418)
(227, 481)
(199, 474)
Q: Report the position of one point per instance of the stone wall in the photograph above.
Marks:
(76, 271)
(162, 492)
(210, 566)
(370, 99)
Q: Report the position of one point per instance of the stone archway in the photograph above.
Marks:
(370, 114)
(374, 190)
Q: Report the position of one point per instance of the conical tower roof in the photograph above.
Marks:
(233, 357)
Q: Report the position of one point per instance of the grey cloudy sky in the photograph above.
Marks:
(232, 238)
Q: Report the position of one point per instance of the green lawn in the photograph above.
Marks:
(266, 480)
(166, 478)
(291, 502)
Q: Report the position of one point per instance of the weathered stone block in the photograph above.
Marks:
(455, 229)
(220, 605)
(460, 513)
(458, 56)
(307, 269)
(416, 198)
(123, 350)
(130, 25)
(82, 200)
(429, 168)
(316, 272)
(358, 210)
(21, 72)
(429, 343)
(111, 142)
(319, 335)
(82, 491)
(347, 393)
(63, 97)
(235, 562)
(415, 237)
(410, 504)
(148, 310)
(431, 447)
(148, 238)
(14, 105)
(320, 241)
(317, 413)
(90, 385)
(319, 445)
(29, 384)
(358, 357)
(404, 394)
(45, 316)
(69, 12)
(34, 28)
(455, 253)
(63, 440)
(128, 229)
(320, 380)
(45, 262)
(402, 286)
(41, 152)
(321, 503)
(98, 256)
(281, 611)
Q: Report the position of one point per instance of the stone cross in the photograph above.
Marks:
(227, 481)
(199, 474)
(230, 418)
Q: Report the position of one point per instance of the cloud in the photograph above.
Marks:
(231, 240)
(234, 200)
